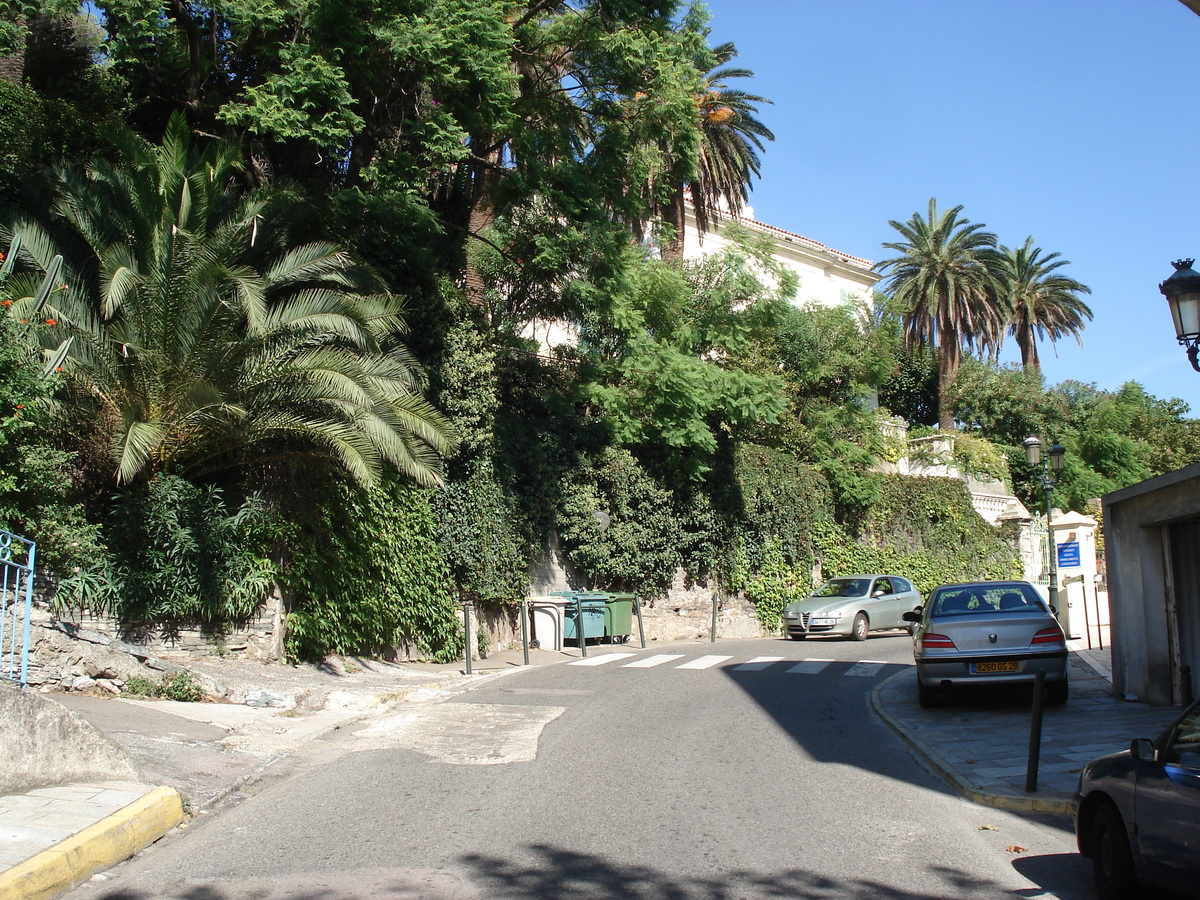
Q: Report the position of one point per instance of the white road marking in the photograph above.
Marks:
(651, 661)
(758, 663)
(810, 666)
(704, 662)
(600, 660)
(865, 667)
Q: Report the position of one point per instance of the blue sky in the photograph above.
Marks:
(1069, 120)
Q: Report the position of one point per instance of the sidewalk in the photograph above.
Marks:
(980, 744)
(194, 755)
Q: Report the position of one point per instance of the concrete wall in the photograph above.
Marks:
(1144, 604)
(43, 743)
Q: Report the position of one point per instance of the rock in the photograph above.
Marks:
(82, 683)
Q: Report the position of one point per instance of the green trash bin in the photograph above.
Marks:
(618, 618)
(591, 607)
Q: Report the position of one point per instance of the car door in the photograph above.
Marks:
(885, 605)
(1168, 805)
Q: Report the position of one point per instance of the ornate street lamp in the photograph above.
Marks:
(1051, 464)
(1182, 291)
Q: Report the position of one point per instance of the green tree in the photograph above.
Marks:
(945, 281)
(670, 359)
(1043, 302)
(731, 137)
(206, 338)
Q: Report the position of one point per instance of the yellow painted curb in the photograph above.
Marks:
(97, 847)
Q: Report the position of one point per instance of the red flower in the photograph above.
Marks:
(5, 303)
(51, 322)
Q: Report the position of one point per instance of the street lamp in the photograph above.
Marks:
(1182, 291)
(1052, 464)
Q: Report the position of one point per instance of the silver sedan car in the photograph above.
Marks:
(989, 632)
(852, 607)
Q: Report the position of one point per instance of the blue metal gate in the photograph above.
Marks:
(16, 603)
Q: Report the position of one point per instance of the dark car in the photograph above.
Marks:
(1137, 813)
(987, 632)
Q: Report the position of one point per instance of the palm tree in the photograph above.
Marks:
(205, 338)
(731, 137)
(1045, 304)
(945, 281)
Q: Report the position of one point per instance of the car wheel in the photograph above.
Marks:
(1112, 860)
(858, 631)
(796, 637)
(1056, 692)
(927, 695)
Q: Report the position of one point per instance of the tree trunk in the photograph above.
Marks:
(12, 68)
(674, 215)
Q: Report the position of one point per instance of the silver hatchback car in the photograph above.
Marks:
(989, 632)
(852, 607)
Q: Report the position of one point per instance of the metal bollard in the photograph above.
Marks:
(637, 605)
(525, 627)
(579, 627)
(1185, 684)
(712, 637)
(1035, 732)
(466, 605)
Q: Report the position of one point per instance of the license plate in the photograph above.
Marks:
(985, 667)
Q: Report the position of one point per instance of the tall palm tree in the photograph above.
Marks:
(731, 137)
(945, 280)
(204, 337)
(1045, 303)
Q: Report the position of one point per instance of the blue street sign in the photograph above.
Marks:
(1068, 555)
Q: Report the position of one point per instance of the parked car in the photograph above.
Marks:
(988, 632)
(1137, 813)
(852, 607)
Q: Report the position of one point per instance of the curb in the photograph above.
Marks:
(1057, 806)
(108, 842)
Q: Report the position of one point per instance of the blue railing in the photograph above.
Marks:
(16, 603)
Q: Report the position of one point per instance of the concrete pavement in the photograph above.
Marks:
(194, 755)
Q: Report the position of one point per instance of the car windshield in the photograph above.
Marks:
(983, 599)
(843, 587)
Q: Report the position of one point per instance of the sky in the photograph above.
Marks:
(1069, 120)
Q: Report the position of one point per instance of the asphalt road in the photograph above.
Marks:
(733, 770)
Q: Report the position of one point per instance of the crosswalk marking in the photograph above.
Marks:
(651, 661)
(600, 660)
(758, 663)
(865, 667)
(704, 662)
(810, 666)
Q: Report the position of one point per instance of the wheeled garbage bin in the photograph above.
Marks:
(618, 618)
(546, 621)
(591, 609)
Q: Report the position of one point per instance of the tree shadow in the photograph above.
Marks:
(555, 872)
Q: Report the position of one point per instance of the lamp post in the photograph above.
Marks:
(1051, 464)
(1182, 291)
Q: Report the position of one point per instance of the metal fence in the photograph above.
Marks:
(17, 556)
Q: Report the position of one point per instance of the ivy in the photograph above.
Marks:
(369, 574)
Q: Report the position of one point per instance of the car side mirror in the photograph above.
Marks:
(879, 593)
(1142, 749)
(911, 616)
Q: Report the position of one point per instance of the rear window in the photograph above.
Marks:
(980, 599)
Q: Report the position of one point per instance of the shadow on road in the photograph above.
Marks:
(562, 873)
